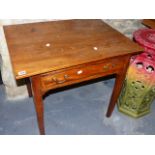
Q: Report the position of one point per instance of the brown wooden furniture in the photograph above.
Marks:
(149, 22)
(60, 53)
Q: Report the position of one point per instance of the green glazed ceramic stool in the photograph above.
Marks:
(139, 87)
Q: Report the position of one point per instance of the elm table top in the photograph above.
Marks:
(42, 47)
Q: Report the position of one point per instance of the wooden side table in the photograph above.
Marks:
(61, 53)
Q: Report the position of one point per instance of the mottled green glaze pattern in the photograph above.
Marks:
(135, 98)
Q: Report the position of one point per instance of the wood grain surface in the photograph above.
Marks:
(47, 46)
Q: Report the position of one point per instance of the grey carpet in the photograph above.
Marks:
(77, 111)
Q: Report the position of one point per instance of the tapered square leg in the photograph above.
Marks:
(38, 102)
(120, 77)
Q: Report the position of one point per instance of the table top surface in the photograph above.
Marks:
(47, 46)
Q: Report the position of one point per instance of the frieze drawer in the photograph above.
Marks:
(72, 75)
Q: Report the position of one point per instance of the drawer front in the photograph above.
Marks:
(78, 74)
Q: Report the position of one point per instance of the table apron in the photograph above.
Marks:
(81, 73)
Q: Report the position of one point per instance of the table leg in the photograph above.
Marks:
(28, 84)
(120, 77)
(38, 101)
